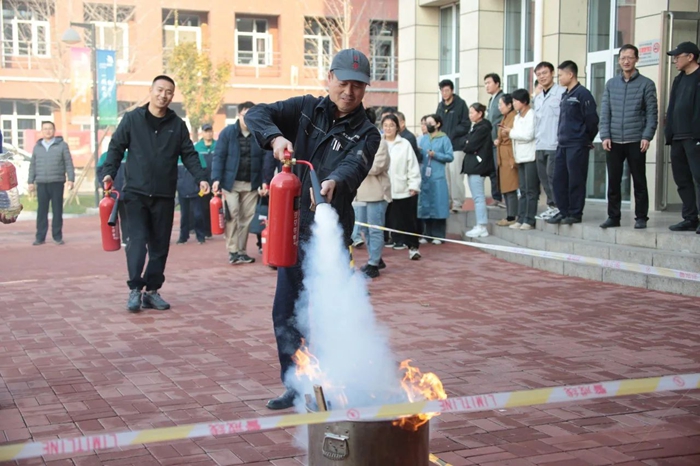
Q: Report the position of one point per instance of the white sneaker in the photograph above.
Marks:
(515, 226)
(437, 242)
(423, 241)
(413, 254)
(549, 213)
(478, 231)
(526, 226)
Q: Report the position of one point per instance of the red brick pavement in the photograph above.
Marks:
(73, 361)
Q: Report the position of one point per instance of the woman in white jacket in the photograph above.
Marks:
(405, 186)
(523, 136)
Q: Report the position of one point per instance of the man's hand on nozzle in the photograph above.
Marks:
(106, 180)
(279, 145)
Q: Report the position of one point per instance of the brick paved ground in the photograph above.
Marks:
(73, 362)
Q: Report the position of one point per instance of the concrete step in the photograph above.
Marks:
(554, 238)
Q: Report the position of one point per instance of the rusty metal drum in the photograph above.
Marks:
(368, 443)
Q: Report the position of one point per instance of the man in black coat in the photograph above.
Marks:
(334, 134)
(155, 137)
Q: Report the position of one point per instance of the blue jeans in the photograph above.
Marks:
(372, 213)
(476, 185)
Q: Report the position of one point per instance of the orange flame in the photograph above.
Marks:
(306, 363)
(419, 386)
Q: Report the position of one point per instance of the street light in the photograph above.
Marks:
(71, 37)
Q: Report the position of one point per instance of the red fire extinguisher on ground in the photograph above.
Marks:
(283, 214)
(216, 212)
(109, 223)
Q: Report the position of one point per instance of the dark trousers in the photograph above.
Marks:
(150, 225)
(191, 215)
(289, 285)
(402, 214)
(529, 182)
(685, 164)
(570, 175)
(123, 222)
(435, 227)
(495, 190)
(49, 193)
(636, 159)
(207, 214)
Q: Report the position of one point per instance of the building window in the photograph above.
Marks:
(19, 115)
(253, 42)
(382, 44)
(610, 26)
(449, 44)
(231, 113)
(519, 41)
(318, 45)
(181, 27)
(25, 29)
(112, 29)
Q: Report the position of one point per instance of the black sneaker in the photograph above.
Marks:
(38, 243)
(59, 242)
(610, 223)
(382, 264)
(685, 225)
(370, 271)
(244, 259)
(556, 219)
(640, 224)
(232, 257)
(388, 244)
(134, 303)
(152, 300)
(571, 220)
(181, 241)
(284, 401)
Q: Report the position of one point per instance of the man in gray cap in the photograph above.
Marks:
(334, 134)
(683, 133)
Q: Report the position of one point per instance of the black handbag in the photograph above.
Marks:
(257, 225)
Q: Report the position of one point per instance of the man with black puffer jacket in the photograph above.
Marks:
(628, 119)
(155, 137)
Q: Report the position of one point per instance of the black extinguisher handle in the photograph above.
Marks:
(316, 186)
(115, 210)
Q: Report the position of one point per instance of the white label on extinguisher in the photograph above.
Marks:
(115, 232)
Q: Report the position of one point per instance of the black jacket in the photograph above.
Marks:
(341, 150)
(227, 156)
(578, 118)
(479, 145)
(455, 120)
(151, 167)
(668, 129)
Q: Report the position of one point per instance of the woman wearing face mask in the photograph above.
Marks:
(434, 198)
(523, 136)
(478, 163)
(405, 186)
(507, 168)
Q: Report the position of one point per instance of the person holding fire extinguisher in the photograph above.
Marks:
(334, 134)
(237, 169)
(155, 137)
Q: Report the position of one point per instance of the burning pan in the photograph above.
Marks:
(367, 443)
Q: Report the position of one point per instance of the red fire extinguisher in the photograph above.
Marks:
(283, 214)
(216, 212)
(109, 223)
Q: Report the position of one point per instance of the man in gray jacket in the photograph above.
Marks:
(51, 162)
(628, 120)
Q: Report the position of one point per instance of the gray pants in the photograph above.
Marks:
(545, 173)
(511, 204)
(529, 192)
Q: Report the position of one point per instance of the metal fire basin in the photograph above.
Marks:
(368, 443)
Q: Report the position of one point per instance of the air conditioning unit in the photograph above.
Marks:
(294, 75)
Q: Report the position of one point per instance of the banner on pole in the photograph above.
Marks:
(107, 87)
(81, 86)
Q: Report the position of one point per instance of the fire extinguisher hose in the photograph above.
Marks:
(315, 185)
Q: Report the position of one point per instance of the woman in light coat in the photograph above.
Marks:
(523, 137)
(373, 197)
(405, 186)
(434, 198)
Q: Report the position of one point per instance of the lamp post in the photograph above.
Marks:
(71, 37)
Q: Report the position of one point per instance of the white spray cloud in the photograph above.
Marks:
(337, 318)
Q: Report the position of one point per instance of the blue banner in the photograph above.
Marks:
(107, 87)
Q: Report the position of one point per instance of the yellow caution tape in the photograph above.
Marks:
(463, 404)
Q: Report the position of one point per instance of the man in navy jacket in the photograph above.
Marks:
(334, 134)
(578, 126)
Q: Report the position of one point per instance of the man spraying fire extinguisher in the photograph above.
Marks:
(334, 134)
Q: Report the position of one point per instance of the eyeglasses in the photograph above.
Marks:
(676, 57)
(626, 59)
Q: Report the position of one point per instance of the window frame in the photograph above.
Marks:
(387, 72)
(13, 118)
(523, 71)
(177, 29)
(100, 26)
(255, 36)
(454, 75)
(323, 63)
(33, 48)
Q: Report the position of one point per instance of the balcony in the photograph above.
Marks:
(384, 69)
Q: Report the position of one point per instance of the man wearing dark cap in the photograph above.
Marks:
(683, 133)
(334, 134)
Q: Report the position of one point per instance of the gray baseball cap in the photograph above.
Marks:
(351, 65)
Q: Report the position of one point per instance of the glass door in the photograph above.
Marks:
(678, 27)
